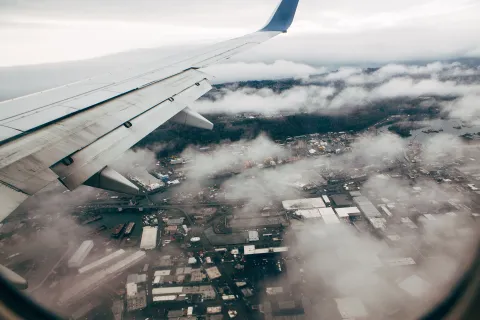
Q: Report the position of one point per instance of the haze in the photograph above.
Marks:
(343, 31)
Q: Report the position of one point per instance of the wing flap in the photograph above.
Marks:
(99, 154)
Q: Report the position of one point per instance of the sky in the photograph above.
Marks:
(342, 31)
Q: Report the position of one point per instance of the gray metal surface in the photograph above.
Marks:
(109, 179)
(192, 118)
(30, 112)
(100, 153)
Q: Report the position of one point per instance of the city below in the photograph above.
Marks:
(303, 228)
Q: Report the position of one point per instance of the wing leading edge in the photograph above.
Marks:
(72, 133)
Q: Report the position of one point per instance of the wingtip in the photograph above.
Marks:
(283, 16)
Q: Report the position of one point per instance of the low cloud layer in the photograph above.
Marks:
(349, 89)
(280, 69)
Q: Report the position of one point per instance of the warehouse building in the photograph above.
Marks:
(341, 200)
(213, 273)
(101, 262)
(308, 213)
(136, 299)
(80, 290)
(385, 210)
(251, 250)
(367, 207)
(79, 256)
(347, 212)
(309, 203)
(149, 238)
(207, 291)
(267, 222)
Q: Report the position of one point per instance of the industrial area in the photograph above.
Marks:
(177, 254)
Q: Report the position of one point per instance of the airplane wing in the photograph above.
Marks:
(73, 132)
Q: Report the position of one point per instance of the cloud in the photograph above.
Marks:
(266, 101)
(349, 89)
(341, 31)
(374, 150)
(141, 158)
(233, 155)
(443, 148)
(241, 71)
(345, 263)
(466, 108)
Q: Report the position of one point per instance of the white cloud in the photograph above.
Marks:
(387, 84)
(241, 71)
(336, 31)
(466, 108)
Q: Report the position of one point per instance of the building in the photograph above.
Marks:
(341, 200)
(408, 261)
(326, 212)
(250, 250)
(347, 212)
(175, 222)
(207, 291)
(309, 203)
(367, 207)
(136, 278)
(213, 273)
(351, 308)
(385, 210)
(93, 282)
(136, 299)
(309, 213)
(101, 262)
(149, 238)
(378, 223)
(239, 224)
(272, 291)
(415, 286)
(214, 310)
(330, 219)
(165, 298)
(79, 256)
(253, 236)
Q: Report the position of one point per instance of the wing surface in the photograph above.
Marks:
(73, 132)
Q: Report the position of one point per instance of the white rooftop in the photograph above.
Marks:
(326, 212)
(149, 238)
(250, 249)
(346, 212)
(132, 289)
(164, 298)
(308, 213)
(351, 308)
(308, 203)
(330, 219)
(415, 286)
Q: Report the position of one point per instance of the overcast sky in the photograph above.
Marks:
(324, 31)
